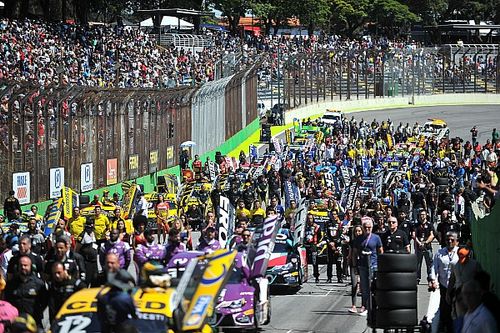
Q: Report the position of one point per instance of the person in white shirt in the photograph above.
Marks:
(478, 318)
(142, 206)
(441, 269)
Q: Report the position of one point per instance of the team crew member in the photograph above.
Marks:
(116, 246)
(76, 223)
(62, 285)
(311, 244)
(101, 225)
(423, 236)
(395, 240)
(26, 291)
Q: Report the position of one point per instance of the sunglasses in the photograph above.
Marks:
(245, 235)
(451, 240)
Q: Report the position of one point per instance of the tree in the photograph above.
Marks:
(233, 10)
(392, 16)
(349, 15)
(272, 11)
(312, 13)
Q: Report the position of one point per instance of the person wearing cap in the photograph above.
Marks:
(439, 278)
(24, 323)
(10, 205)
(26, 291)
(12, 242)
(106, 200)
(116, 306)
(462, 272)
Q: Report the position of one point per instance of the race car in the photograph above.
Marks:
(242, 304)
(435, 128)
(288, 263)
(79, 312)
(159, 307)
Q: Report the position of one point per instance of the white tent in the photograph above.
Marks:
(169, 21)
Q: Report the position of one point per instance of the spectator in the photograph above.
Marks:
(478, 319)
(439, 277)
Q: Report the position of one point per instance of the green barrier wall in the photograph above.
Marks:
(486, 243)
(149, 181)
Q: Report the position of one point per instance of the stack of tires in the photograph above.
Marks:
(395, 292)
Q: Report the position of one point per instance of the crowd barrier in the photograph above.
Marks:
(88, 138)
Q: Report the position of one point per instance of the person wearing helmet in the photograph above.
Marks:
(24, 323)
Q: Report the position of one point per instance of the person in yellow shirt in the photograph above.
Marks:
(351, 153)
(257, 209)
(76, 224)
(101, 225)
(242, 211)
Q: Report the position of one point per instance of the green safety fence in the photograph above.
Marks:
(486, 243)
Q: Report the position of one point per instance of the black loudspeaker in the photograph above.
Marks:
(394, 300)
(265, 133)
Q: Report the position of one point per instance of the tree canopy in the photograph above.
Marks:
(344, 17)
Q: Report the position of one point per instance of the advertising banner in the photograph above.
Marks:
(111, 171)
(21, 187)
(86, 177)
(133, 166)
(56, 182)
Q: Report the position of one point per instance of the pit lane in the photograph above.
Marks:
(323, 308)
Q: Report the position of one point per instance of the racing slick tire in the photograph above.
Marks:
(393, 300)
(395, 318)
(397, 262)
(396, 281)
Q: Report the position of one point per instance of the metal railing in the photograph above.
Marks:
(69, 126)
(346, 74)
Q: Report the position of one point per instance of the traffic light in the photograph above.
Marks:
(170, 130)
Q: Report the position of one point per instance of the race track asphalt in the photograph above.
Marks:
(323, 308)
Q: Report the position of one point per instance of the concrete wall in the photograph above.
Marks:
(388, 103)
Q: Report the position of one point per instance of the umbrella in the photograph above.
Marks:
(188, 144)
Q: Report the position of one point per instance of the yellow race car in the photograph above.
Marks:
(183, 308)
